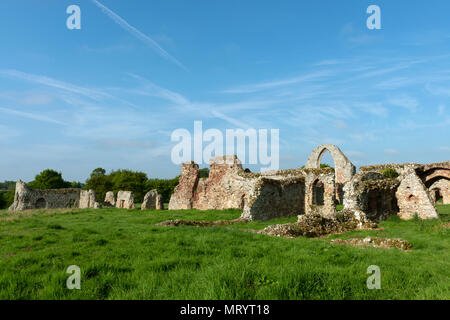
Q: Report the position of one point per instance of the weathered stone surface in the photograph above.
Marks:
(182, 197)
(376, 242)
(87, 200)
(125, 200)
(275, 196)
(371, 194)
(316, 225)
(320, 191)
(152, 200)
(26, 198)
(109, 199)
(413, 198)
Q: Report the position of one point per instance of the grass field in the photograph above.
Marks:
(123, 255)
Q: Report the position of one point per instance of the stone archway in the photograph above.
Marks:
(437, 180)
(344, 169)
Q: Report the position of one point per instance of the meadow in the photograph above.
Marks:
(122, 254)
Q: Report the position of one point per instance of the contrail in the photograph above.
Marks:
(138, 34)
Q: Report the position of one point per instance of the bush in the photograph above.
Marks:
(389, 173)
(2, 201)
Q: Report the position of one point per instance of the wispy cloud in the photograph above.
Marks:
(50, 82)
(391, 152)
(311, 77)
(29, 115)
(405, 101)
(138, 34)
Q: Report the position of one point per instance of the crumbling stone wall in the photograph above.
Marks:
(125, 200)
(26, 198)
(261, 196)
(378, 197)
(344, 169)
(152, 200)
(440, 188)
(372, 194)
(182, 197)
(87, 200)
(413, 198)
(281, 194)
(320, 193)
(109, 199)
(223, 189)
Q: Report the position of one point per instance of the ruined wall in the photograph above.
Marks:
(344, 169)
(281, 194)
(109, 199)
(125, 200)
(152, 200)
(414, 198)
(87, 200)
(440, 188)
(372, 194)
(182, 197)
(320, 192)
(26, 198)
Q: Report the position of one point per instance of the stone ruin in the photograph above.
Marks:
(26, 198)
(110, 201)
(152, 200)
(125, 200)
(368, 194)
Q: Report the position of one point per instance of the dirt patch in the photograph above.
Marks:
(203, 224)
(375, 242)
(315, 225)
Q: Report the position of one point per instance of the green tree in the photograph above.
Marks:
(130, 181)
(203, 173)
(100, 183)
(2, 201)
(49, 179)
(165, 187)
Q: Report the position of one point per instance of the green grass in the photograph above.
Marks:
(123, 255)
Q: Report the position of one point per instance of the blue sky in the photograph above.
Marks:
(110, 95)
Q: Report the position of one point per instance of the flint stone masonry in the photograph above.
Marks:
(344, 169)
(26, 198)
(125, 200)
(372, 195)
(368, 195)
(152, 200)
(109, 199)
(413, 198)
(261, 196)
(87, 200)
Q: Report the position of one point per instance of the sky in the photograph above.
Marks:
(111, 93)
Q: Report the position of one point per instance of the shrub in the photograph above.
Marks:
(2, 201)
(389, 173)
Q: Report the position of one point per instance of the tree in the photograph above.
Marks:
(2, 201)
(49, 179)
(100, 183)
(165, 187)
(130, 181)
(203, 173)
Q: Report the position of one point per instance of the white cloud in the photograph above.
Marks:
(405, 101)
(391, 152)
(33, 116)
